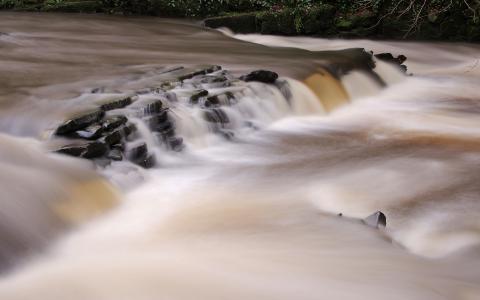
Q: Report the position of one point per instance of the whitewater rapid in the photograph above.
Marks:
(257, 217)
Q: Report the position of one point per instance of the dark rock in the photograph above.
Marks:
(147, 163)
(158, 122)
(153, 107)
(91, 132)
(216, 115)
(261, 76)
(195, 97)
(376, 220)
(202, 71)
(388, 57)
(128, 129)
(116, 104)
(138, 152)
(79, 122)
(119, 146)
(227, 134)
(115, 154)
(221, 99)
(113, 137)
(139, 156)
(113, 122)
(175, 144)
(90, 150)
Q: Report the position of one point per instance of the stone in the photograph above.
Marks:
(261, 76)
(147, 163)
(113, 137)
(128, 129)
(115, 154)
(79, 122)
(153, 107)
(216, 115)
(89, 150)
(376, 220)
(388, 57)
(195, 97)
(175, 144)
(158, 122)
(138, 152)
(113, 122)
(91, 132)
(116, 104)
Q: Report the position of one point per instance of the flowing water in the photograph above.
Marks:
(256, 217)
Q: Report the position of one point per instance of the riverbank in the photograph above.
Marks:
(372, 19)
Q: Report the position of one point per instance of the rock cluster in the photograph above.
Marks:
(108, 132)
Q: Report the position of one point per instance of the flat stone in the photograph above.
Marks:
(91, 132)
(116, 103)
(113, 122)
(261, 76)
(79, 122)
(89, 150)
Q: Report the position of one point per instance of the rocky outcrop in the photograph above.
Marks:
(260, 76)
(109, 132)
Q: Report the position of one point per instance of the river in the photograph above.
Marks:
(275, 212)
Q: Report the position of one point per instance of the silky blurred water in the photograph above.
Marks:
(256, 217)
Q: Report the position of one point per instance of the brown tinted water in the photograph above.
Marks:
(253, 218)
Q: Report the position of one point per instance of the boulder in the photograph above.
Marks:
(260, 76)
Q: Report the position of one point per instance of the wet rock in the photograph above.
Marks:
(227, 134)
(116, 104)
(153, 107)
(113, 137)
(376, 220)
(216, 115)
(175, 144)
(388, 57)
(284, 88)
(226, 99)
(79, 122)
(128, 129)
(138, 152)
(261, 76)
(89, 150)
(119, 146)
(148, 162)
(113, 122)
(158, 122)
(195, 97)
(115, 154)
(202, 71)
(91, 132)
(139, 156)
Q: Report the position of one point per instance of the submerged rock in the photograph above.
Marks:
(260, 76)
(115, 154)
(79, 122)
(376, 220)
(216, 115)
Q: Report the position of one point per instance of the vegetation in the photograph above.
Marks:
(421, 19)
